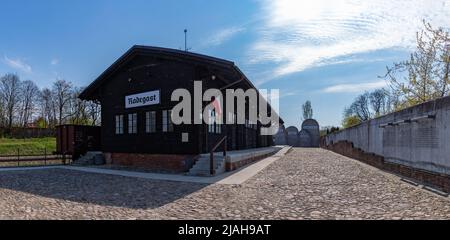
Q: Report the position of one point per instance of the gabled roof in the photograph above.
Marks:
(90, 91)
(143, 50)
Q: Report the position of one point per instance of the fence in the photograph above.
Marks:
(25, 160)
(27, 132)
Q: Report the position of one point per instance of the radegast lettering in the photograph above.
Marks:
(189, 230)
(142, 99)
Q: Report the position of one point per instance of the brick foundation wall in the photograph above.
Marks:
(231, 166)
(154, 162)
(440, 181)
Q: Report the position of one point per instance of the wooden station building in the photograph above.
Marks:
(135, 97)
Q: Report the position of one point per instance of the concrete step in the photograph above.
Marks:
(202, 166)
(204, 172)
(236, 159)
(90, 158)
(201, 169)
(206, 161)
(206, 165)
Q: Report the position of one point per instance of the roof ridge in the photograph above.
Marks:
(178, 51)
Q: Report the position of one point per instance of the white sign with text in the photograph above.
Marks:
(142, 99)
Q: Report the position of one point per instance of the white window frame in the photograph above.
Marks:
(218, 124)
(119, 124)
(132, 123)
(212, 115)
(150, 122)
(167, 123)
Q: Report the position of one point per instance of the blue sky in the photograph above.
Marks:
(326, 51)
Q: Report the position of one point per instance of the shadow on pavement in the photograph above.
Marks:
(100, 189)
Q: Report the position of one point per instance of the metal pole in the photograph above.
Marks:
(185, 40)
(18, 157)
(225, 147)
(211, 163)
(45, 156)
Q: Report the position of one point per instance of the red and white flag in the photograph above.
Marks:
(218, 107)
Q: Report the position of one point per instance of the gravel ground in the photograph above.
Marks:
(305, 184)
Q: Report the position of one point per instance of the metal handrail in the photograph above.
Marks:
(18, 158)
(211, 156)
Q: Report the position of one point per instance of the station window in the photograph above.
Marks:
(119, 124)
(218, 123)
(167, 123)
(132, 123)
(212, 116)
(214, 125)
(150, 122)
(218, 128)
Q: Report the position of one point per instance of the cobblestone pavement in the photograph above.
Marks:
(305, 184)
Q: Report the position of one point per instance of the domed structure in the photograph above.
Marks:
(309, 136)
(311, 126)
(305, 138)
(292, 136)
(281, 137)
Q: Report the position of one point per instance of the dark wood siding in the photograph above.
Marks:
(149, 73)
(160, 75)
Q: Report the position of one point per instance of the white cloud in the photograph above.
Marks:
(223, 35)
(54, 61)
(17, 64)
(300, 34)
(282, 94)
(354, 88)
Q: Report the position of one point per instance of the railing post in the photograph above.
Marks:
(18, 157)
(211, 162)
(45, 156)
(223, 142)
(225, 147)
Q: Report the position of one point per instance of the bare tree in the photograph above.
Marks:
(30, 94)
(2, 112)
(378, 101)
(62, 94)
(9, 92)
(82, 112)
(22, 102)
(46, 108)
(78, 108)
(393, 102)
(94, 110)
(360, 108)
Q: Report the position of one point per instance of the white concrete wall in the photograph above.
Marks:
(242, 155)
(423, 144)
